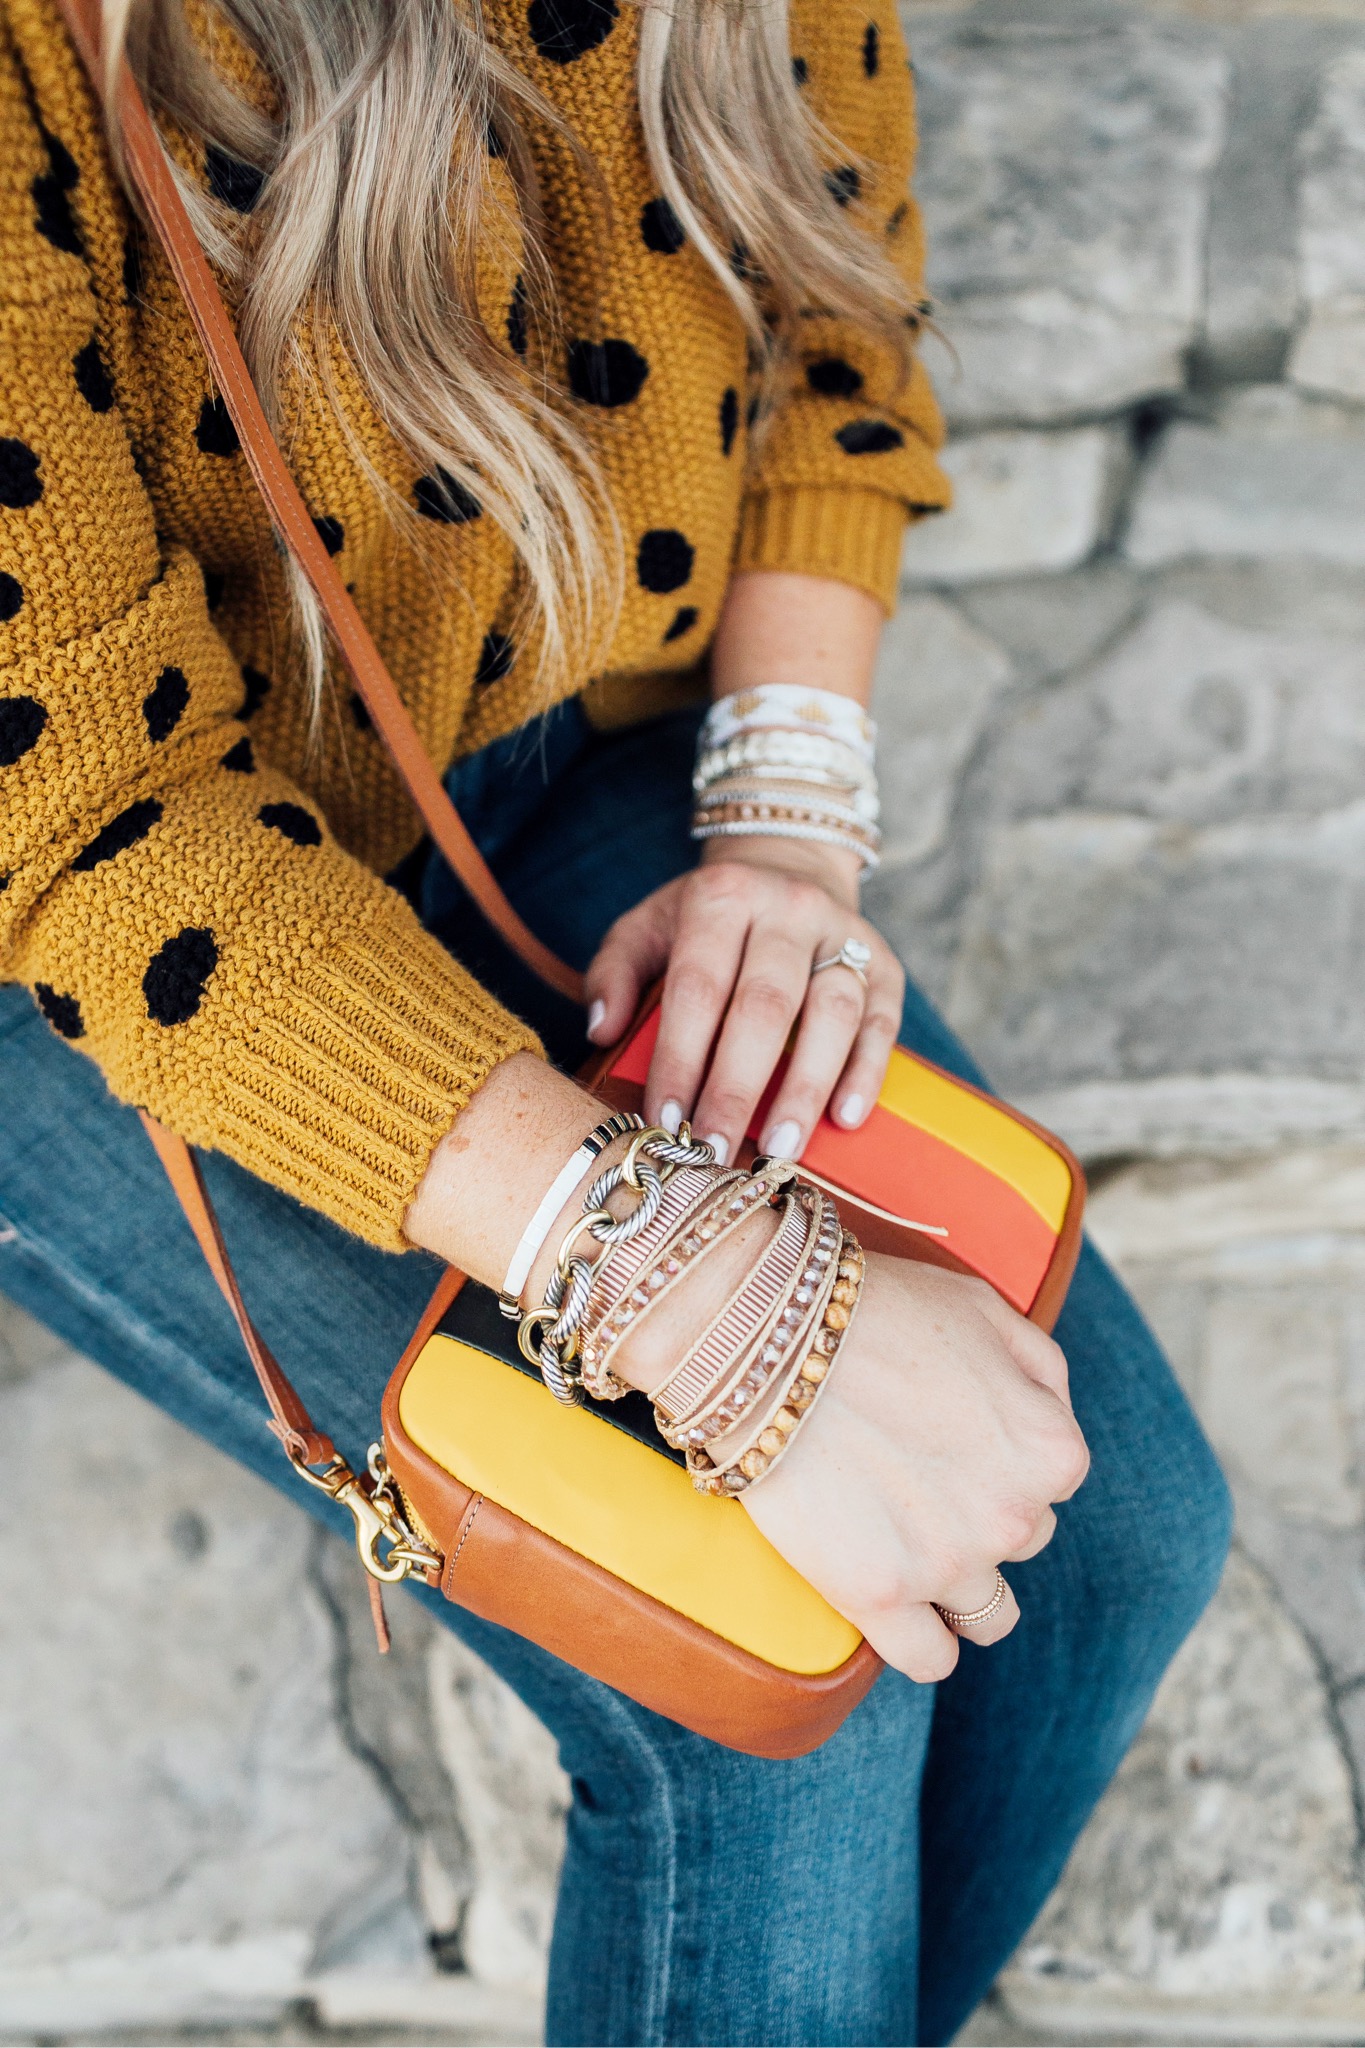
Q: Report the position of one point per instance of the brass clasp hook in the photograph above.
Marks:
(376, 1516)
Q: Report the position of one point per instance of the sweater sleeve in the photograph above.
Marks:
(850, 455)
(182, 913)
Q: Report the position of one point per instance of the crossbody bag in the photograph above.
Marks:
(578, 1527)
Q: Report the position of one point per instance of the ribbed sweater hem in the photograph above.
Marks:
(344, 1087)
(848, 536)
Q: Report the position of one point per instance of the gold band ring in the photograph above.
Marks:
(958, 1622)
(854, 954)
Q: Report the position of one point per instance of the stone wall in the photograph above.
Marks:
(1124, 731)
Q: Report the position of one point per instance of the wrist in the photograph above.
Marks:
(488, 1174)
(835, 869)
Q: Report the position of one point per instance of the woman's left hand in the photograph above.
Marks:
(737, 939)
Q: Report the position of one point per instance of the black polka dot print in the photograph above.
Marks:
(684, 619)
(843, 185)
(516, 318)
(236, 184)
(664, 558)
(564, 30)
(174, 983)
(872, 50)
(360, 713)
(53, 215)
(444, 497)
(215, 433)
(164, 704)
(495, 658)
(661, 228)
(800, 70)
(239, 759)
(20, 483)
(295, 823)
(832, 377)
(93, 381)
(5, 881)
(743, 264)
(132, 267)
(729, 418)
(215, 583)
(331, 533)
(606, 373)
(256, 688)
(869, 437)
(63, 1013)
(21, 722)
(897, 220)
(11, 596)
(119, 834)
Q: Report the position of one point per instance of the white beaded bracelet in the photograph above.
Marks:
(790, 706)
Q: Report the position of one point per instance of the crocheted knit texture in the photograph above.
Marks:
(194, 893)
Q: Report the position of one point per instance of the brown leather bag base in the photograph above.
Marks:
(506, 1571)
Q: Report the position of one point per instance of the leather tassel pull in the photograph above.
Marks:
(378, 1616)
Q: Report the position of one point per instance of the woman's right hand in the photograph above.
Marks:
(941, 1439)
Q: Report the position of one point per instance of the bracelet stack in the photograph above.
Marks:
(780, 761)
(738, 1397)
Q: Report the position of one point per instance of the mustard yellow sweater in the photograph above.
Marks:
(196, 897)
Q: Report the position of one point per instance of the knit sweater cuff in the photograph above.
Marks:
(849, 536)
(357, 1070)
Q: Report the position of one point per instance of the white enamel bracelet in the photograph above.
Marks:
(565, 1181)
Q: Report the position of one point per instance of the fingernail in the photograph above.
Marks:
(721, 1147)
(595, 1016)
(851, 1110)
(783, 1140)
(670, 1116)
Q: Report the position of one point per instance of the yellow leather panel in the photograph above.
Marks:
(618, 1504)
(981, 1131)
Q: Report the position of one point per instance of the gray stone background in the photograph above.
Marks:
(1123, 707)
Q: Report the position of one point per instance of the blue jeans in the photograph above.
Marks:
(868, 1893)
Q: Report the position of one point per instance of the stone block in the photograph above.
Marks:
(1214, 1895)
(1273, 474)
(1022, 503)
(1330, 352)
(1253, 293)
(1065, 173)
(937, 682)
(186, 1831)
(1050, 625)
(1192, 716)
(1106, 947)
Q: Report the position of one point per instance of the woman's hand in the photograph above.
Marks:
(738, 938)
(941, 1440)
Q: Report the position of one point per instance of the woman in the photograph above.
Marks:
(587, 330)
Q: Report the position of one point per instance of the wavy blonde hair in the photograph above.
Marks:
(376, 193)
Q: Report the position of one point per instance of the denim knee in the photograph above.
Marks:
(1153, 1522)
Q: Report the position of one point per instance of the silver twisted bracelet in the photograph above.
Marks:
(548, 1336)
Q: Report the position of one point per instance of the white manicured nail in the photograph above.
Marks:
(670, 1116)
(851, 1110)
(595, 1016)
(784, 1140)
(721, 1147)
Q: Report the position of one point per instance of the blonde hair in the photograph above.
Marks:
(375, 198)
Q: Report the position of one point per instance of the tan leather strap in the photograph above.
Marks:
(151, 175)
(291, 1421)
